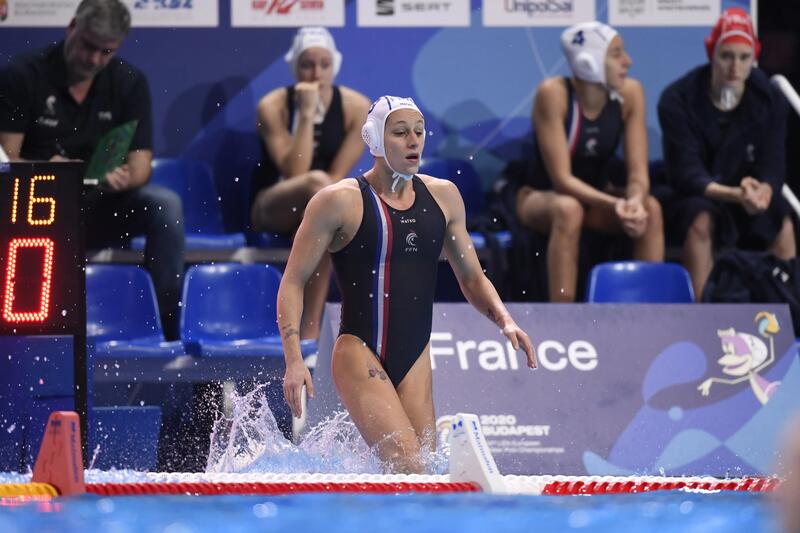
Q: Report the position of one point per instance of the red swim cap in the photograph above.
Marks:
(733, 26)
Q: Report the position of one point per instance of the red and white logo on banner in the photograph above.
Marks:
(286, 7)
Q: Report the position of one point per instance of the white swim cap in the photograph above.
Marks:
(309, 38)
(585, 45)
(373, 130)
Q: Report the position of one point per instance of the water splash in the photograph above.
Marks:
(249, 441)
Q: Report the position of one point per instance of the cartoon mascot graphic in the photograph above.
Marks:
(744, 356)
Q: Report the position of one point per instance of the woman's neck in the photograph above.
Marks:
(591, 96)
(382, 179)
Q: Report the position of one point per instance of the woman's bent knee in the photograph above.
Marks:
(567, 213)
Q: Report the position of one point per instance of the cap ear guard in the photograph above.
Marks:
(586, 65)
(369, 132)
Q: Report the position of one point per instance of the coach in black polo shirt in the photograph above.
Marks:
(56, 103)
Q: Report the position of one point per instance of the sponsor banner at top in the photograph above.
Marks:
(144, 13)
(663, 12)
(172, 13)
(537, 12)
(413, 13)
(37, 13)
(287, 13)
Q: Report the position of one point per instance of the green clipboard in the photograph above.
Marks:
(110, 152)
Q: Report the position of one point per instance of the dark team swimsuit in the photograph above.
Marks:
(387, 277)
(592, 144)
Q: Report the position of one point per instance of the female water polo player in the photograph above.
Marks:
(311, 137)
(385, 231)
(579, 122)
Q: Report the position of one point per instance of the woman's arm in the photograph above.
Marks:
(635, 140)
(355, 107)
(477, 288)
(322, 219)
(291, 152)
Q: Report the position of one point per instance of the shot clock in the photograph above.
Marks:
(42, 304)
(41, 255)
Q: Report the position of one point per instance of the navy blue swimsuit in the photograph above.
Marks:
(387, 277)
(592, 145)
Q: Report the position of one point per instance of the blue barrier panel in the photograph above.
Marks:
(124, 437)
(620, 389)
(36, 377)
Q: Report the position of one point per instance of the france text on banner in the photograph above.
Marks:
(537, 12)
(287, 13)
(174, 13)
(663, 12)
(37, 13)
(408, 13)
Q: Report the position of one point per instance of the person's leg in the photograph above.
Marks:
(113, 218)
(784, 244)
(698, 251)
(158, 213)
(562, 217)
(416, 395)
(650, 245)
(370, 398)
(314, 297)
(279, 209)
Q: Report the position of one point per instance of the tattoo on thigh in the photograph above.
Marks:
(374, 372)
(290, 331)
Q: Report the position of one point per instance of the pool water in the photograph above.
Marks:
(660, 511)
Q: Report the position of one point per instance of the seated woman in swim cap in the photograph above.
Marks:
(385, 231)
(311, 138)
(723, 130)
(578, 124)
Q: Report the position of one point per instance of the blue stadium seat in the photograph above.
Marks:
(194, 183)
(230, 310)
(122, 314)
(469, 185)
(639, 282)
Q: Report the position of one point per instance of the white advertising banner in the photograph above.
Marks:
(173, 13)
(144, 13)
(287, 13)
(407, 13)
(37, 13)
(663, 12)
(537, 12)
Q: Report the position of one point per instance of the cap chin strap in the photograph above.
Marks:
(396, 175)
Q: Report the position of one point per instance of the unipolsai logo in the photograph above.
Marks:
(539, 7)
(384, 7)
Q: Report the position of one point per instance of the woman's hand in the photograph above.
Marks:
(306, 94)
(519, 339)
(296, 376)
(632, 215)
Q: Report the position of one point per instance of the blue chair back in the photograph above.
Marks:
(121, 304)
(194, 183)
(639, 282)
(464, 176)
(229, 301)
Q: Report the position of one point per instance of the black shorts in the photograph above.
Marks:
(733, 227)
